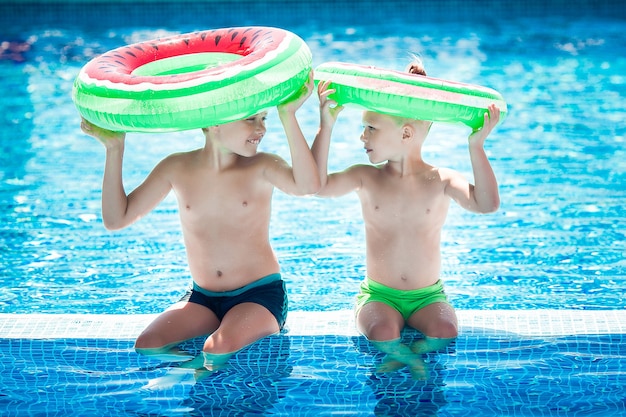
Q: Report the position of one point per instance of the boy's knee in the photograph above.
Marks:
(149, 341)
(442, 330)
(219, 344)
(381, 332)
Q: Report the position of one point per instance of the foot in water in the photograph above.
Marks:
(190, 372)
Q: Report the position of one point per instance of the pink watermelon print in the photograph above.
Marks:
(408, 95)
(258, 68)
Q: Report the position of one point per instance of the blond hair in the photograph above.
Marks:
(416, 66)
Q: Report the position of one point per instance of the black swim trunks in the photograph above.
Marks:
(269, 292)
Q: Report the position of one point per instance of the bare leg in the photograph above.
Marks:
(382, 325)
(242, 325)
(378, 321)
(400, 355)
(435, 320)
(186, 374)
(438, 323)
(180, 322)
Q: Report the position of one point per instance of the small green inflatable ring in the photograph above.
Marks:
(192, 80)
(408, 95)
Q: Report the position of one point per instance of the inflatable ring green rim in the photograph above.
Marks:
(192, 80)
(407, 95)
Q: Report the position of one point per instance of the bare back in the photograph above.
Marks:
(403, 218)
(225, 217)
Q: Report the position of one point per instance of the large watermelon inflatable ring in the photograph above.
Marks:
(408, 95)
(192, 80)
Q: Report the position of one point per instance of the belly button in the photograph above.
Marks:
(219, 273)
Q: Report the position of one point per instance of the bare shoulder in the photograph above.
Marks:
(266, 162)
(446, 174)
(359, 173)
(453, 182)
(266, 158)
(175, 163)
(364, 168)
(178, 158)
(351, 179)
(362, 171)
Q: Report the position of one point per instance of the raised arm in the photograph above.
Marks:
(339, 183)
(328, 116)
(118, 209)
(304, 179)
(483, 196)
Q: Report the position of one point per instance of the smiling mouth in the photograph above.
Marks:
(254, 141)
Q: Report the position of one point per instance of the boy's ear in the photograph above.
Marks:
(407, 132)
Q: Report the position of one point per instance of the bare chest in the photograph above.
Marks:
(407, 201)
(222, 198)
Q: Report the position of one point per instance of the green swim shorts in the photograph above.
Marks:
(405, 302)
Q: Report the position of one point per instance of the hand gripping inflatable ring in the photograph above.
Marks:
(409, 95)
(192, 80)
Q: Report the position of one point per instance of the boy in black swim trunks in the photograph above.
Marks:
(224, 193)
(404, 202)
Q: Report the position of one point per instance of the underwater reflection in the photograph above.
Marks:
(248, 384)
(413, 386)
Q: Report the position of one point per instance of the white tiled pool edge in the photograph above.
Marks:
(302, 323)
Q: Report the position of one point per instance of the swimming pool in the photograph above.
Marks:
(552, 258)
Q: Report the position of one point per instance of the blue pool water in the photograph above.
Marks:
(283, 376)
(558, 241)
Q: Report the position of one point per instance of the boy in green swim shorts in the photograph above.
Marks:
(404, 202)
(406, 302)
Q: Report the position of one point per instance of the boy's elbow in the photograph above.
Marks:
(313, 189)
(492, 207)
(323, 190)
(112, 224)
(496, 204)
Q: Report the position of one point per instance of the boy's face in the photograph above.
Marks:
(243, 136)
(381, 137)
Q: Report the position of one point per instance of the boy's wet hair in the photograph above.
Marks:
(416, 66)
